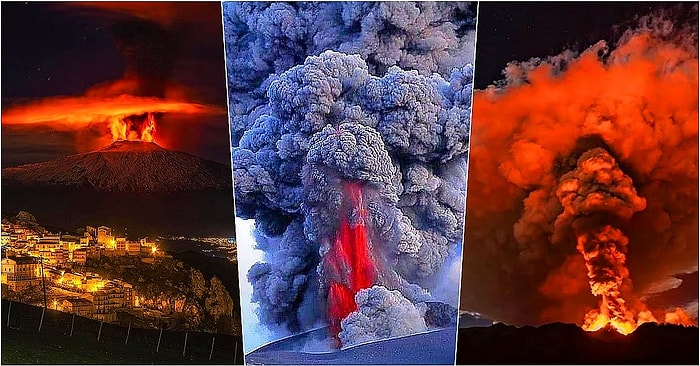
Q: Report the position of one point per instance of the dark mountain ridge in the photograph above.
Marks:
(562, 344)
(136, 185)
(124, 166)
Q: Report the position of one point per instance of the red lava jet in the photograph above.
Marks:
(349, 259)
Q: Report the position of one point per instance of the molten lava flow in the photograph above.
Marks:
(134, 128)
(593, 194)
(350, 260)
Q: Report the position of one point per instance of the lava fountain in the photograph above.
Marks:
(349, 259)
(134, 128)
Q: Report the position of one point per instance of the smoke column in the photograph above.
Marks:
(595, 193)
(556, 226)
(350, 128)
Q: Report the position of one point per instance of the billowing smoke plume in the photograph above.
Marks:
(584, 181)
(382, 314)
(150, 52)
(353, 169)
(265, 39)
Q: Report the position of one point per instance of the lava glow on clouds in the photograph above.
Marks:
(553, 236)
(116, 113)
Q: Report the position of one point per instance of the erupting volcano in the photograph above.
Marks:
(123, 117)
(116, 114)
(595, 193)
(583, 177)
(350, 156)
(352, 165)
(151, 99)
(350, 265)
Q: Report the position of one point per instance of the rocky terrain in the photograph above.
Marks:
(187, 299)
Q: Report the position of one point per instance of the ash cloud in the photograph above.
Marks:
(382, 314)
(320, 98)
(265, 39)
(637, 100)
(150, 51)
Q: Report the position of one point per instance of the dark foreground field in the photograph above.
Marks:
(23, 343)
(569, 344)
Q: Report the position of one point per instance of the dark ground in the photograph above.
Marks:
(568, 344)
(22, 343)
(431, 348)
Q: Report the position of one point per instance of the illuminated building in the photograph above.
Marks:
(107, 300)
(79, 256)
(104, 236)
(133, 248)
(79, 306)
(20, 272)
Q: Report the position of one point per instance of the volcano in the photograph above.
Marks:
(137, 185)
(124, 166)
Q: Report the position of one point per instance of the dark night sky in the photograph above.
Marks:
(519, 31)
(49, 51)
(64, 49)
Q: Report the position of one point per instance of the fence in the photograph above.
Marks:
(147, 345)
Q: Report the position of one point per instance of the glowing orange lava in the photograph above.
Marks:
(134, 128)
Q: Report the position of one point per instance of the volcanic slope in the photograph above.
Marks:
(124, 166)
(435, 347)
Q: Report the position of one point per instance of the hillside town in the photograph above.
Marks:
(34, 260)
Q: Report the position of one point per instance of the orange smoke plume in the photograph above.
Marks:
(637, 103)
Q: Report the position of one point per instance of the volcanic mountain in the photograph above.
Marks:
(136, 185)
(124, 166)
